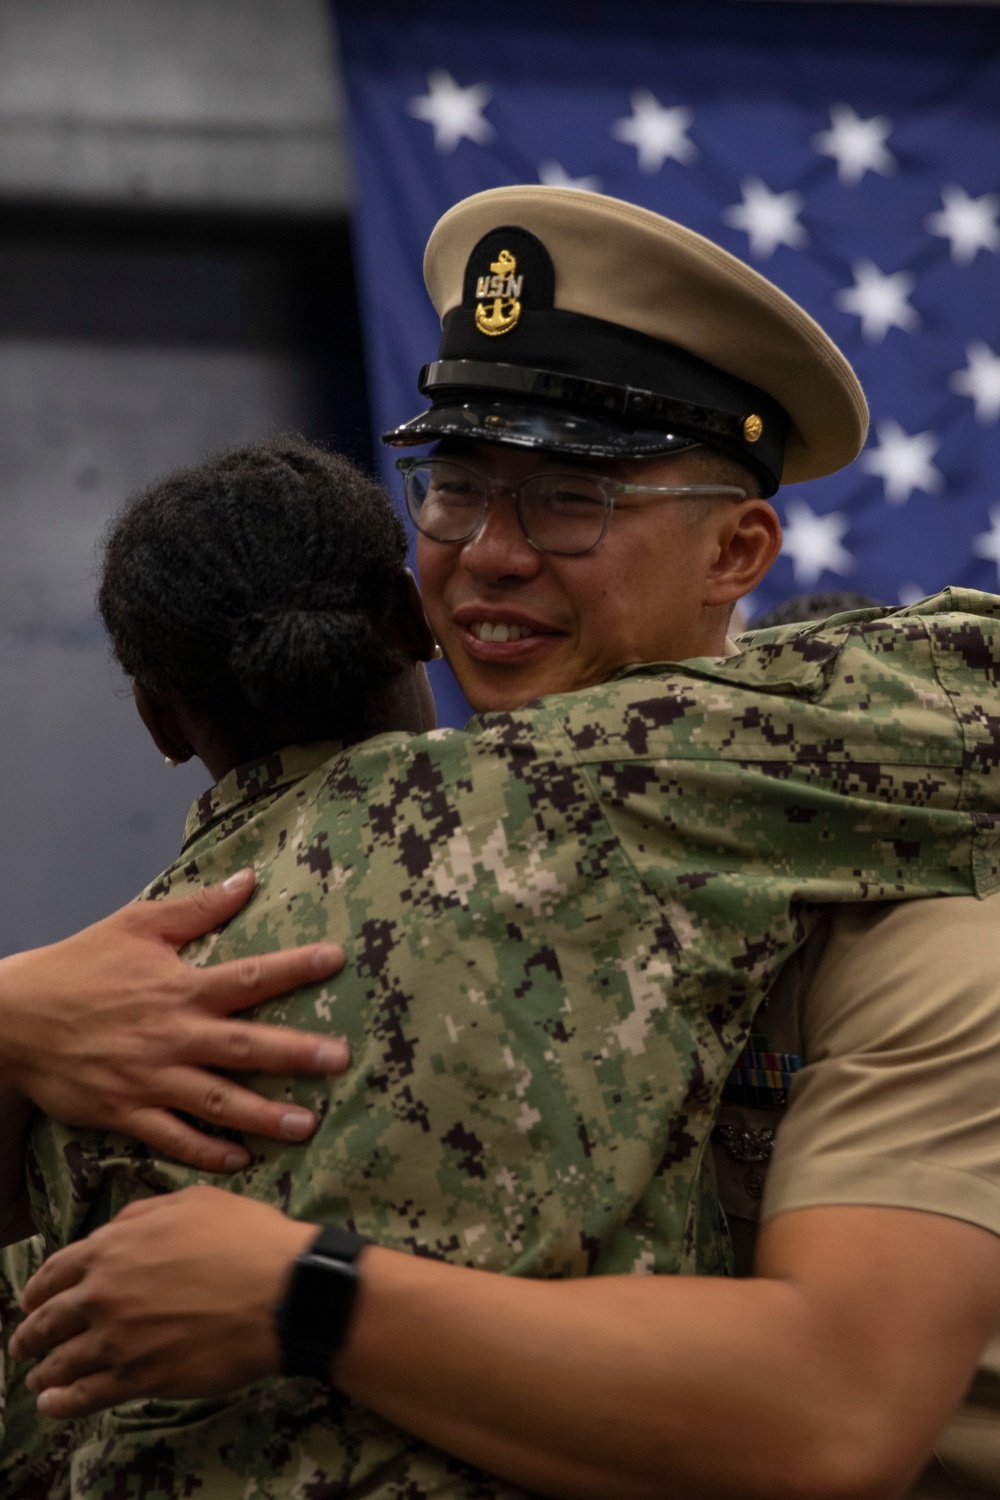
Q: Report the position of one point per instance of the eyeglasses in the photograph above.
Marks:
(564, 514)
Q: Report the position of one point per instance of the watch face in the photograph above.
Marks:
(318, 1305)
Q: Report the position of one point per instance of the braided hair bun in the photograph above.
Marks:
(276, 659)
(257, 589)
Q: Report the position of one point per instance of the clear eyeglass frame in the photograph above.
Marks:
(576, 519)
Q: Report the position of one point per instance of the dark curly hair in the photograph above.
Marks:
(257, 588)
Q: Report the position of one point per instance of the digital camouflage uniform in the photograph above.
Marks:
(34, 1450)
(558, 925)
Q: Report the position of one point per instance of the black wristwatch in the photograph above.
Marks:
(315, 1312)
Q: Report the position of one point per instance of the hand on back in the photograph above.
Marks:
(111, 1029)
(175, 1297)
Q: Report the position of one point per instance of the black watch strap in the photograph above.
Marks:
(315, 1312)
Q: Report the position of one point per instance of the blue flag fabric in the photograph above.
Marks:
(851, 154)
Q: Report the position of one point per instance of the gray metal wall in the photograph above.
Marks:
(190, 102)
(174, 278)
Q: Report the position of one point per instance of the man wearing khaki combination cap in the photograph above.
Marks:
(614, 401)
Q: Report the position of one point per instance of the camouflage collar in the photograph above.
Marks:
(638, 668)
(256, 779)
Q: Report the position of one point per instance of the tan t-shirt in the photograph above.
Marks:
(894, 1014)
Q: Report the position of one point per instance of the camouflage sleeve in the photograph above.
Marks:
(34, 1452)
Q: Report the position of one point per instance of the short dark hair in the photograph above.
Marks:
(256, 588)
(715, 467)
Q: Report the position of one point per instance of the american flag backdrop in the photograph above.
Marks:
(849, 152)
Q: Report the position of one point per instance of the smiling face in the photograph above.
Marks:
(517, 624)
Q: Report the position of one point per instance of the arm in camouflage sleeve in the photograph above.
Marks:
(811, 1380)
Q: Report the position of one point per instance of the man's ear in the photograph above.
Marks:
(165, 728)
(414, 627)
(748, 541)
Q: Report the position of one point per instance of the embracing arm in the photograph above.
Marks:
(811, 1380)
(111, 1029)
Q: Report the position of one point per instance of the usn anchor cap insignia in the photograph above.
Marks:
(498, 297)
(508, 277)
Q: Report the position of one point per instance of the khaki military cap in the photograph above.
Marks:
(581, 324)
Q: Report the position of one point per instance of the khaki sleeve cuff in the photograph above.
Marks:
(849, 1177)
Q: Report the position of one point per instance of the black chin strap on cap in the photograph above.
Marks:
(627, 403)
(585, 364)
(530, 407)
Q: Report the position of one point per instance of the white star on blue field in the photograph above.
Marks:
(857, 167)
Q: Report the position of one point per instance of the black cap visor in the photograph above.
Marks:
(486, 419)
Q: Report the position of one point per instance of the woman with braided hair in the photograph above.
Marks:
(260, 605)
(262, 600)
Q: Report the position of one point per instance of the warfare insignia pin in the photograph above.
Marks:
(498, 304)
